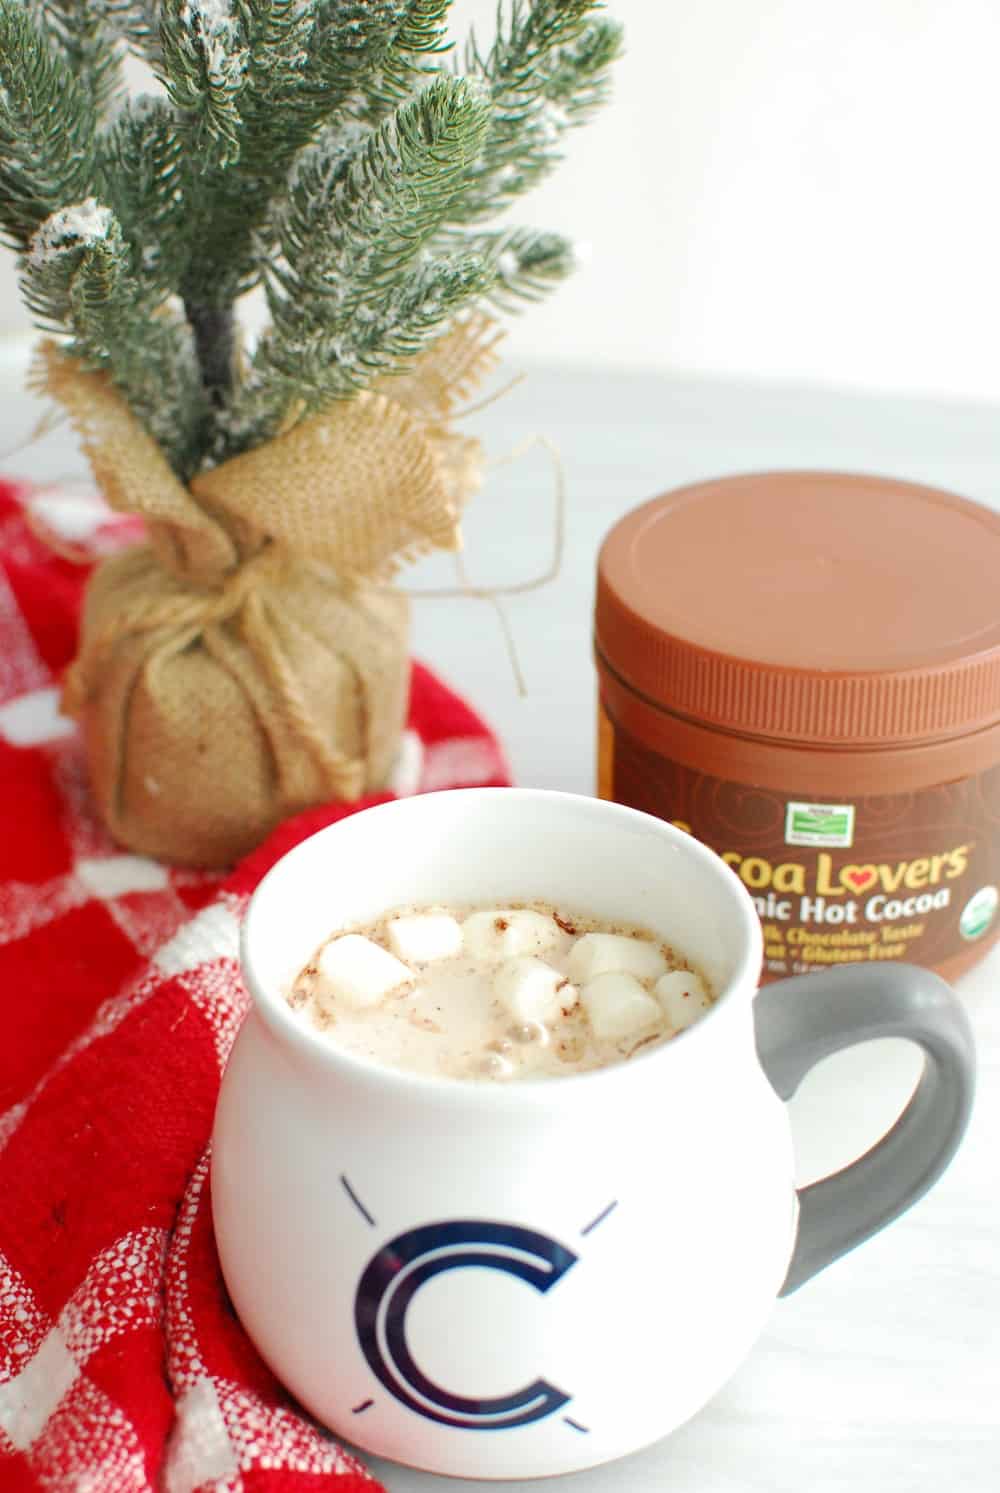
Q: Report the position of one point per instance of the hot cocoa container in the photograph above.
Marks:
(802, 669)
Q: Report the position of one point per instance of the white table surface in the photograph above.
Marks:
(883, 1374)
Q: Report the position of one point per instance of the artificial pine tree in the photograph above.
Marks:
(339, 155)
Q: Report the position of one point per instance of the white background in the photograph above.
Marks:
(787, 188)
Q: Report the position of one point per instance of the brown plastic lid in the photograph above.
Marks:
(808, 606)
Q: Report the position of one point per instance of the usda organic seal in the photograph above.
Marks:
(979, 912)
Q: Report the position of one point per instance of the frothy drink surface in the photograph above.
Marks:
(496, 993)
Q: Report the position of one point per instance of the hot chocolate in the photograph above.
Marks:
(497, 993)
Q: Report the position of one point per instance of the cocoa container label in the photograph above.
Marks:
(913, 876)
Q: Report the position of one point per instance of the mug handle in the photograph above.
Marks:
(799, 1022)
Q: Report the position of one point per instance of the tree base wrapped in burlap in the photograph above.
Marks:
(201, 737)
(251, 659)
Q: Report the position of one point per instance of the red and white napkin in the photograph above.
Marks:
(122, 1365)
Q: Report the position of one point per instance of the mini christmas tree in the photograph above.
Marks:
(337, 154)
(327, 149)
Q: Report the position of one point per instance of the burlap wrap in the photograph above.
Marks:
(250, 660)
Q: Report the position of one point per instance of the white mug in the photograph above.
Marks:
(513, 1280)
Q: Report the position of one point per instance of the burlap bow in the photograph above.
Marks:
(241, 665)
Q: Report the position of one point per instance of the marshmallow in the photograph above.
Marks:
(617, 1005)
(614, 953)
(358, 972)
(532, 990)
(683, 997)
(504, 933)
(425, 936)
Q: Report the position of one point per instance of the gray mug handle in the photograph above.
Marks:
(803, 1020)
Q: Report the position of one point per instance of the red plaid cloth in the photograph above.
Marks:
(122, 1366)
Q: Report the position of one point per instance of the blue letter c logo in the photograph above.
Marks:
(395, 1274)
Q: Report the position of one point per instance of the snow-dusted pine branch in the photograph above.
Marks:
(77, 271)
(47, 126)
(335, 150)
